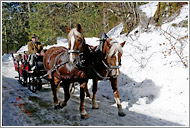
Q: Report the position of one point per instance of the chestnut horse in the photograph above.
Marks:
(106, 66)
(67, 66)
(104, 63)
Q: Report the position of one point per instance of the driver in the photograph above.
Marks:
(35, 47)
(35, 51)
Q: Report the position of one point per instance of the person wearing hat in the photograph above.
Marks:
(34, 47)
(35, 52)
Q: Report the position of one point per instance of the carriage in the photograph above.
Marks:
(33, 79)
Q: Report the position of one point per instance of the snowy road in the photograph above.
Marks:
(20, 107)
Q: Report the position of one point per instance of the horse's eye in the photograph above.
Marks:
(79, 40)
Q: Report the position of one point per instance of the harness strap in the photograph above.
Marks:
(100, 76)
(58, 56)
(110, 67)
(55, 67)
(73, 51)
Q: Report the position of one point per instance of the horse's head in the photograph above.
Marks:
(112, 51)
(76, 42)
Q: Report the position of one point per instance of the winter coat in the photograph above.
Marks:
(34, 47)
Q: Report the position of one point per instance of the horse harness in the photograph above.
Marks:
(108, 67)
(80, 61)
(78, 64)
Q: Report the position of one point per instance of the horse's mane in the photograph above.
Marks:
(74, 32)
(115, 47)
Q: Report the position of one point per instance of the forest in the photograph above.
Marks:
(48, 19)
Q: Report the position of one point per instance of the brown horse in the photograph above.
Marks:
(106, 66)
(104, 63)
(67, 66)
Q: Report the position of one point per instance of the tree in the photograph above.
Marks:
(47, 19)
(14, 22)
(167, 10)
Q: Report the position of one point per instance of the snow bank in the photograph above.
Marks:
(23, 48)
(143, 59)
(7, 57)
(115, 32)
(149, 8)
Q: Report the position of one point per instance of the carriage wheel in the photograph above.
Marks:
(19, 77)
(39, 84)
(24, 78)
(25, 82)
(32, 84)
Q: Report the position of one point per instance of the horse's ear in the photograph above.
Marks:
(103, 36)
(79, 28)
(122, 44)
(68, 30)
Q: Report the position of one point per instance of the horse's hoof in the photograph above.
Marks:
(121, 114)
(85, 116)
(88, 95)
(62, 105)
(57, 106)
(95, 106)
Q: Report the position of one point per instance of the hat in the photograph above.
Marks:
(34, 36)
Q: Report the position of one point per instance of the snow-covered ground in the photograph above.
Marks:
(152, 81)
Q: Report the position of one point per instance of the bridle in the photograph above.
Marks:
(79, 61)
(76, 51)
(109, 65)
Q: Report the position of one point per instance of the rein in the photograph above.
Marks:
(110, 66)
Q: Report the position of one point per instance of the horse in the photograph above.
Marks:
(107, 60)
(65, 66)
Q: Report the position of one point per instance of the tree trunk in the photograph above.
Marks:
(29, 9)
(104, 17)
(6, 40)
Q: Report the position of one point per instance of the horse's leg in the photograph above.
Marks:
(87, 92)
(72, 90)
(83, 112)
(116, 95)
(54, 92)
(94, 90)
(66, 92)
